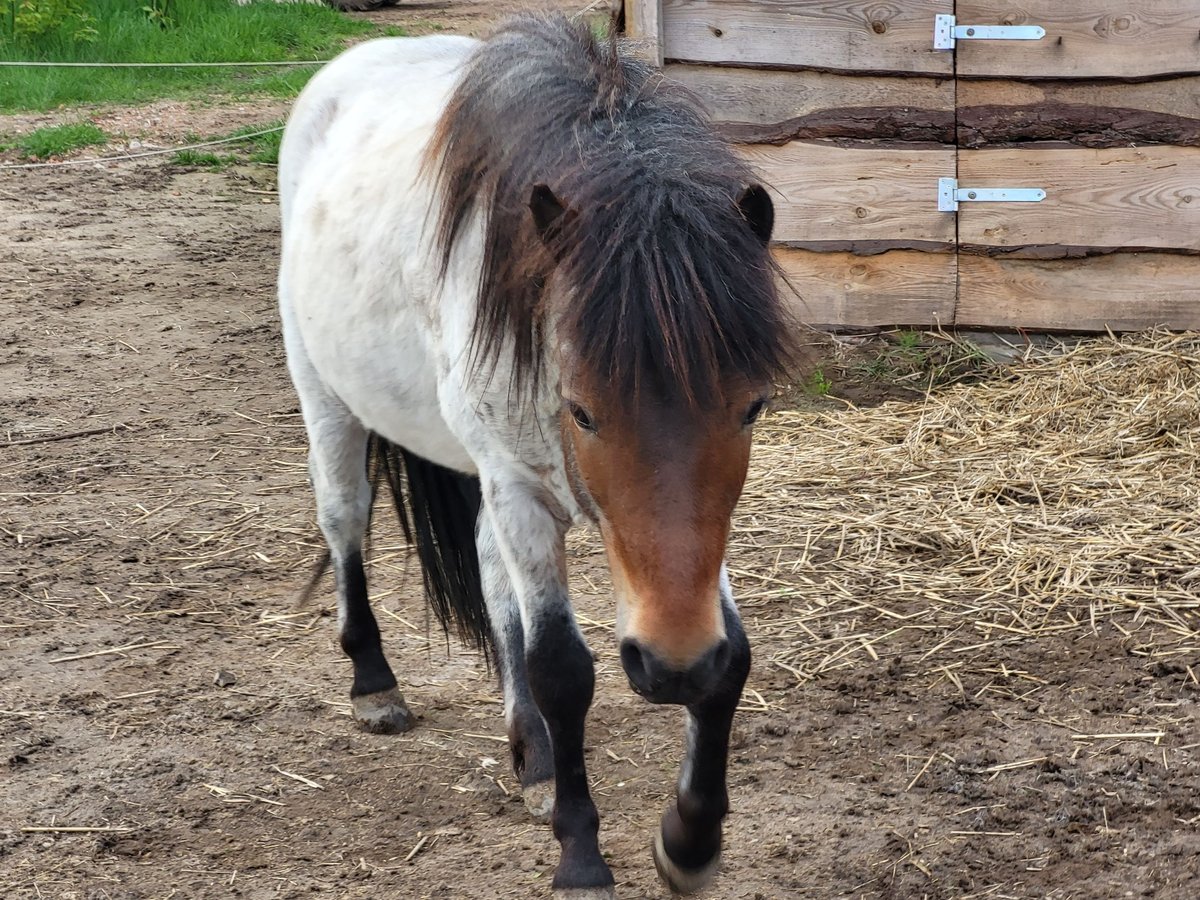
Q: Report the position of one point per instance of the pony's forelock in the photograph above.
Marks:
(668, 285)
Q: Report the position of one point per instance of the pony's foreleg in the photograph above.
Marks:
(337, 465)
(561, 675)
(528, 741)
(687, 847)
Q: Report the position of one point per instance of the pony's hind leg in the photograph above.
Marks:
(337, 460)
(337, 464)
(528, 740)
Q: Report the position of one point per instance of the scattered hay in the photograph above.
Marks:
(1057, 499)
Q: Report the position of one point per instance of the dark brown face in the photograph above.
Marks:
(664, 477)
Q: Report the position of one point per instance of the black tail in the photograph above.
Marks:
(438, 509)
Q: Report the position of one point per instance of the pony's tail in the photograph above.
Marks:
(438, 510)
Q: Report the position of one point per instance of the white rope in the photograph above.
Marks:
(126, 156)
(159, 65)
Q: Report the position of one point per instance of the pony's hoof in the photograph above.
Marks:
(678, 879)
(593, 893)
(383, 712)
(539, 800)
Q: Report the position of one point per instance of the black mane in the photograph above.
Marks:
(667, 282)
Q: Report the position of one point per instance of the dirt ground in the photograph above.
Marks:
(161, 689)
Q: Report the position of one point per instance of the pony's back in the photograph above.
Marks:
(394, 76)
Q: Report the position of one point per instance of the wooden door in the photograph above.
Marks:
(852, 116)
(1104, 113)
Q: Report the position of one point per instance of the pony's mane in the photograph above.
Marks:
(666, 282)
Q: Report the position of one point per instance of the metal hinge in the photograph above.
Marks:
(950, 194)
(946, 33)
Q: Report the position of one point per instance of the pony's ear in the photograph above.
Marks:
(548, 212)
(754, 203)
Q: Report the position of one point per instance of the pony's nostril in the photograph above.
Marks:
(710, 667)
(661, 682)
(634, 664)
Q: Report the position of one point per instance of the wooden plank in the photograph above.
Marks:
(827, 193)
(837, 35)
(1087, 113)
(1124, 292)
(1141, 198)
(770, 106)
(643, 25)
(1175, 96)
(1084, 38)
(901, 287)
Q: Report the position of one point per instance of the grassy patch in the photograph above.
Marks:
(264, 148)
(246, 145)
(58, 140)
(202, 160)
(818, 384)
(191, 31)
(920, 360)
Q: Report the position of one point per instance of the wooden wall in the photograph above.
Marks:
(851, 116)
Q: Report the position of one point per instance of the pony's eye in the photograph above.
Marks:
(582, 417)
(754, 412)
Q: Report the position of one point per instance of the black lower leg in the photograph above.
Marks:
(528, 740)
(691, 827)
(359, 630)
(562, 678)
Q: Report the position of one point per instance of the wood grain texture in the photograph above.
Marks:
(1085, 113)
(760, 106)
(824, 192)
(901, 287)
(1174, 96)
(1124, 292)
(1139, 197)
(1084, 38)
(862, 123)
(837, 35)
(1074, 123)
(766, 96)
(643, 26)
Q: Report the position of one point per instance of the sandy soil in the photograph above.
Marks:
(159, 683)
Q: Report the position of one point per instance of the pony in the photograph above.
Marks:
(524, 284)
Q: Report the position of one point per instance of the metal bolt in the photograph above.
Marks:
(970, 32)
(971, 195)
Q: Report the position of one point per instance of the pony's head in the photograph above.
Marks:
(626, 249)
(667, 342)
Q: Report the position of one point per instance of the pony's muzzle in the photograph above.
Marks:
(660, 682)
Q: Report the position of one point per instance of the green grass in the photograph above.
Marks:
(924, 360)
(55, 141)
(202, 159)
(265, 147)
(817, 384)
(198, 31)
(245, 143)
